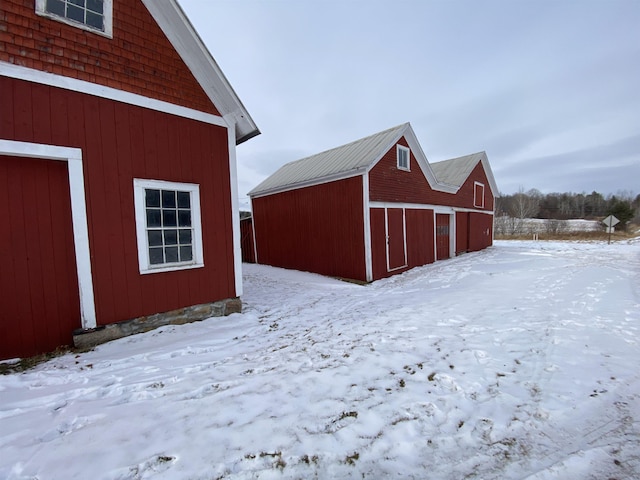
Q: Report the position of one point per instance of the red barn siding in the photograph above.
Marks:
(378, 244)
(120, 142)
(317, 229)
(466, 191)
(246, 240)
(39, 287)
(389, 184)
(462, 232)
(129, 61)
(419, 237)
(396, 239)
(482, 227)
(442, 236)
(418, 228)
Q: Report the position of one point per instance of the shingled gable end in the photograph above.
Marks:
(373, 208)
(117, 172)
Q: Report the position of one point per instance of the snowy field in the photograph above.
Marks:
(518, 362)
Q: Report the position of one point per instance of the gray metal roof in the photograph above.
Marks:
(357, 157)
(354, 157)
(456, 170)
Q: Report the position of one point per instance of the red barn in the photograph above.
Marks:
(118, 184)
(373, 208)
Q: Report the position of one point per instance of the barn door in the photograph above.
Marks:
(442, 236)
(40, 305)
(396, 238)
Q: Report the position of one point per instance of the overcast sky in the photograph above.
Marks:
(549, 89)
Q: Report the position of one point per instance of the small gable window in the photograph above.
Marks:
(404, 155)
(478, 194)
(93, 15)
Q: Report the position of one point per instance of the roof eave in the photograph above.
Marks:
(184, 38)
(307, 183)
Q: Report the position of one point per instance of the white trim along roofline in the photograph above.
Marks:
(406, 131)
(176, 26)
(421, 159)
(73, 157)
(310, 183)
(67, 83)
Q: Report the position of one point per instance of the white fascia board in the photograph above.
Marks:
(235, 211)
(184, 38)
(489, 173)
(309, 183)
(67, 83)
(73, 157)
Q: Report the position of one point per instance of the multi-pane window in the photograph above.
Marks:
(89, 14)
(403, 157)
(169, 233)
(168, 225)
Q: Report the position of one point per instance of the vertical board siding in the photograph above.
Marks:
(40, 302)
(419, 237)
(378, 244)
(121, 142)
(482, 227)
(246, 240)
(442, 236)
(129, 61)
(318, 229)
(396, 248)
(462, 232)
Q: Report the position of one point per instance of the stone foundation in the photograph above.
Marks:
(91, 337)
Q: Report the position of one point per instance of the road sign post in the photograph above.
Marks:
(610, 222)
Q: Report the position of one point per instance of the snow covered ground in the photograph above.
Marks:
(518, 362)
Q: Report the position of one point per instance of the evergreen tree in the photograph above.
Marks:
(622, 211)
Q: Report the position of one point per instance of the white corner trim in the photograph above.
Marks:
(67, 83)
(235, 211)
(368, 256)
(73, 157)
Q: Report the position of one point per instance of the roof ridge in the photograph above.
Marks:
(347, 144)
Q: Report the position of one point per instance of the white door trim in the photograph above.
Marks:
(73, 157)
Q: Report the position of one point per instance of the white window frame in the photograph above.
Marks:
(139, 186)
(402, 148)
(477, 204)
(41, 9)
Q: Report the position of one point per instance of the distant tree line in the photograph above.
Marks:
(556, 207)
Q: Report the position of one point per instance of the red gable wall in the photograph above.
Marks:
(389, 184)
(138, 59)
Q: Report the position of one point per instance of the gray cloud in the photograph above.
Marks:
(548, 89)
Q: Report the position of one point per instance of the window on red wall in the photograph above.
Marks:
(92, 15)
(403, 156)
(478, 195)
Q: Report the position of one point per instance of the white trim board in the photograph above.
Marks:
(235, 212)
(368, 254)
(52, 80)
(73, 157)
(425, 206)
